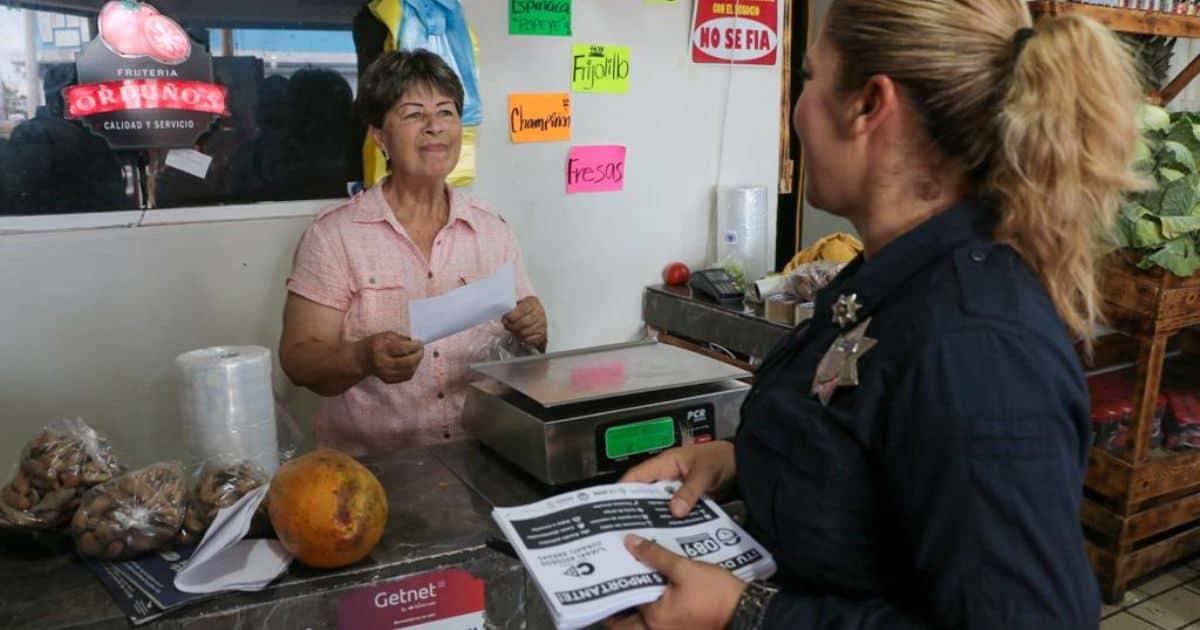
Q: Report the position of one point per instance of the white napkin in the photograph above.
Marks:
(225, 562)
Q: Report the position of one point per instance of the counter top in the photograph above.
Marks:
(440, 499)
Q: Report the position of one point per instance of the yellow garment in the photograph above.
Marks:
(838, 247)
(391, 13)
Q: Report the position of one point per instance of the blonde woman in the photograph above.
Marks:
(914, 457)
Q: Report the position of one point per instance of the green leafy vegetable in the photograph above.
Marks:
(1164, 224)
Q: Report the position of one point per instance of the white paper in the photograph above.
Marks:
(482, 301)
(189, 161)
(225, 562)
(573, 547)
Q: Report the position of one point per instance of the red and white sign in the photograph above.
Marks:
(143, 83)
(742, 32)
(451, 599)
(118, 96)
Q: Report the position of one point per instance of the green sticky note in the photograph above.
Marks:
(539, 17)
(596, 68)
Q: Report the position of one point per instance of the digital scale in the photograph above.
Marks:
(573, 416)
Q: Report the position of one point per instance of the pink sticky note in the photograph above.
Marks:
(595, 169)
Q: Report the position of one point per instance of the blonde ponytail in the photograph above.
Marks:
(1048, 131)
(1068, 133)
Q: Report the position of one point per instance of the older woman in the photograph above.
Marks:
(409, 237)
(914, 457)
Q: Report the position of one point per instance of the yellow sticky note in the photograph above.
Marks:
(597, 68)
(539, 117)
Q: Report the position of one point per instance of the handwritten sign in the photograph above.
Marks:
(595, 169)
(745, 32)
(539, 117)
(451, 599)
(539, 17)
(596, 68)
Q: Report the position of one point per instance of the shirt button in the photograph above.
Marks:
(446, 435)
(978, 255)
(431, 275)
(371, 281)
(435, 354)
(441, 395)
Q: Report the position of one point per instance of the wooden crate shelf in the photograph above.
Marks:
(1142, 507)
(1124, 20)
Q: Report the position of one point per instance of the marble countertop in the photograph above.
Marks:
(440, 497)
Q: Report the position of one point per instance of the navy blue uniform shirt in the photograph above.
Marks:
(944, 490)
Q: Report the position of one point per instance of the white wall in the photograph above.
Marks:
(90, 320)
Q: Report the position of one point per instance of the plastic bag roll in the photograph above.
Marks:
(227, 407)
(742, 228)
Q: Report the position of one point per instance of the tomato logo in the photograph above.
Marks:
(134, 29)
(168, 42)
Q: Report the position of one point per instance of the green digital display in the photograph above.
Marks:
(639, 437)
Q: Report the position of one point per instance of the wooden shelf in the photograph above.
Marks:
(1124, 20)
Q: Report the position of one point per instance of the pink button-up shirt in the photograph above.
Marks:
(358, 259)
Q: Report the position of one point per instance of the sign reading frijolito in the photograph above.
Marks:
(143, 83)
(738, 32)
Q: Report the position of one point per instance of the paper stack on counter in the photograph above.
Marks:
(572, 545)
(225, 562)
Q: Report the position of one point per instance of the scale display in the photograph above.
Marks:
(639, 437)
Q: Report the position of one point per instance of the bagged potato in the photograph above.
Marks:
(220, 486)
(135, 513)
(57, 466)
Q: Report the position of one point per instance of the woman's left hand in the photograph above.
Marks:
(698, 596)
(528, 321)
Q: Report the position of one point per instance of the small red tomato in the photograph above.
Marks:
(676, 274)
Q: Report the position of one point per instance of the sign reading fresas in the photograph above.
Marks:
(595, 169)
(736, 31)
(451, 599)
(142, 83)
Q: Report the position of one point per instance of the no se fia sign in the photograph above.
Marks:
(736, 31)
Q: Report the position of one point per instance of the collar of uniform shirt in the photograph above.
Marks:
(874, 279)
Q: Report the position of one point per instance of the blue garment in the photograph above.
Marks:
(944, 490)
(441, 27)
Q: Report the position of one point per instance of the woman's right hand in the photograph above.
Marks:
(703, 468)
(390, 356)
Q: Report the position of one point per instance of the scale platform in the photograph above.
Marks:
(572, 416)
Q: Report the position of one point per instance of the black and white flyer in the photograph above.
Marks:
(572, 545)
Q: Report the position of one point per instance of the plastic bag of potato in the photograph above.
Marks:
(136, 513)
(57, 466)
(220, 486)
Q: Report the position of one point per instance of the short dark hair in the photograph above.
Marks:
(394, 73)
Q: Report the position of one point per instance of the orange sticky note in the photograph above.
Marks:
(539, 117)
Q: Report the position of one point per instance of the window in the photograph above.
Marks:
(289, 133)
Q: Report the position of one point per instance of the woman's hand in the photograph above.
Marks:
(392, 357)
(528, 321)
(703, 468)
(699, 596)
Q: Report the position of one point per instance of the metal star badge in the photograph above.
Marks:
(839, 366)
(845, 310)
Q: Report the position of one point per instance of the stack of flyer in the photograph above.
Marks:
(573, 546)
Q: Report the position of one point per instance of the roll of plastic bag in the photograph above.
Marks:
(227, 407)
(742, 229)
